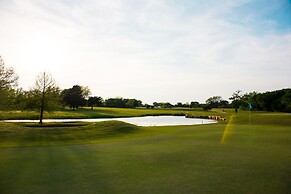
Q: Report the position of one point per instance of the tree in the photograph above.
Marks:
(206, 107)
(47, 93)
(214, 102)
(7, 97)
(85, 91)
(131, 103)
(115, 102)
(94, 101)
(286, 101)
(166, 105)
(123, 103)
(20, 99)
(247, 99)
(75, 97)
(279, 100)
(224, 104)
(156, 105)
(186, 105)
(8, 80)
(236, 99)
(194, 105)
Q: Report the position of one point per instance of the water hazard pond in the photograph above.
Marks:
(139, 121)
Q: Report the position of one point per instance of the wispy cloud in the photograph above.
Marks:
(151, 50)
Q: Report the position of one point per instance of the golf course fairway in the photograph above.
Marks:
(250, 152)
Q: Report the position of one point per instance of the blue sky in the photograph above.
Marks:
(152, 50)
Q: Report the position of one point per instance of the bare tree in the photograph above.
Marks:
(45, 85)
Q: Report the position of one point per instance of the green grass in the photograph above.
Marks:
(97, 112)
(116, 157)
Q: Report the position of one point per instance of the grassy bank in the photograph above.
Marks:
(98, 112)
(248, 153)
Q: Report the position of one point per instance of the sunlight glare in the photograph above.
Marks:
(227, 130)
(42, 52)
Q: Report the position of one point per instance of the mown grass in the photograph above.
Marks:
(116, 157)
(97, 112)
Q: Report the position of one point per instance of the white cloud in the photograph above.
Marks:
(151, 50)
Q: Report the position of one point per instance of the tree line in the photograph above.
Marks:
(278, 100)
(45, 95)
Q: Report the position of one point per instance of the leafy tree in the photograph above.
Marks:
(133, 103)
(236, 99)
(214, 101)
(7, 99)
(94, 101)
(166, 105)
(155, 104)
(85, 91)
(179, 104)
(45, 94)
(115, 102)
(265, 101)
(20, 99)
(75, 97)
(28, 100)
(8, 78)
(286, 101)
(249, 98)
(148, 106)
(278, 100)
(194, 105)
(122, 103)
(223, 104)
(8, 81)
(187, 105)
(206, 107)
(163, 105)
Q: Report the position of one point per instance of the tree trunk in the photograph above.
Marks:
(42, 100)
(41, 115)
(41, 109)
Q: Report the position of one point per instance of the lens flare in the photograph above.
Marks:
(227, 130)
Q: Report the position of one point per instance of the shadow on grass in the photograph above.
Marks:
(54, 125)
(32, 134)
(117, 127)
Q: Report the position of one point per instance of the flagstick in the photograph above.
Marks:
(250, 119)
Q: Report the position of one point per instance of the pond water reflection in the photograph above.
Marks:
(139, 121)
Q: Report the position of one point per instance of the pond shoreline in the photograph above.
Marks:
(217, 118)
(139, 121)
